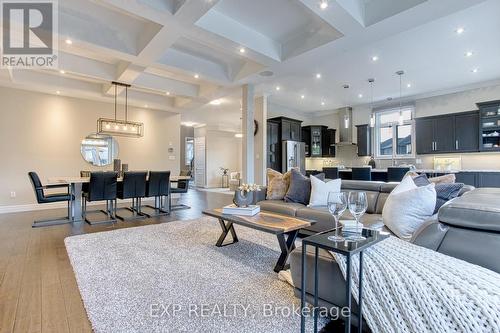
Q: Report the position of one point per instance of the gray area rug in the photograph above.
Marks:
(172, 278)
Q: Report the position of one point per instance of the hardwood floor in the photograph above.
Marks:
(38, 291)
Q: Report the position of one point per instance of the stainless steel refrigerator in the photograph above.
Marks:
(294, 156)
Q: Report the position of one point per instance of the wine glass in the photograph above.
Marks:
(357, 206)
(337, 204)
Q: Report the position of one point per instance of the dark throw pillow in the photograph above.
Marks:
(446, 192)
(300, 187)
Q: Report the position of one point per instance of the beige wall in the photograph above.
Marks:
(42, 133)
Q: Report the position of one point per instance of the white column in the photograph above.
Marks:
(260, 140)
(247, 118)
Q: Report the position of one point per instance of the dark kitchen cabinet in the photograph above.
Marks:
(488, 179)
(278, 130)
(328, 142)
(450, 133)
(315, 140)
(467, 132)
(489, 126)
(364, 135)
(424, 130)
(468, 178)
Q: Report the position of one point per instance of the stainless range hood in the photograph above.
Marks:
(345, 126)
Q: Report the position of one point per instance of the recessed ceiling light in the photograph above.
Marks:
(323, 5)
(196, 76)
(58, 92)
(167, 93)
(322, 103)
(318, 76)
(62, 71)
(242, 50)
(302, 96)
(145, 105)
(215, 102)
(475, 70)
(278, 88)
(375, 58)
(69, 41)
(460, 31)
(360, 95)
(409, 85)
(469, 54)
(238, 135)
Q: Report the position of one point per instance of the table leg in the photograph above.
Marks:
(287, 245)
(76, 208)
(360, 295)
(226, 228)
(303, 291)
(348, 294)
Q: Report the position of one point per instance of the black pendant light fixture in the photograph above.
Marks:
(120, 127)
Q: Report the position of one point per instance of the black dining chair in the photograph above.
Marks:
(101, 187)
(158, 186)
(362, 173)
(43, 198)
(182, 187)
(331, 173)
(396, 174)
(133, 186)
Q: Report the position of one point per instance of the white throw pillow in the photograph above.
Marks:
(320, 190)
(408, 207)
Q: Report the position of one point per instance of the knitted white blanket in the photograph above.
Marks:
(408, 288)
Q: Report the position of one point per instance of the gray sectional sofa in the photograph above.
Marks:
(467, 227)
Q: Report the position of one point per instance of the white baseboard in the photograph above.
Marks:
(56, 205)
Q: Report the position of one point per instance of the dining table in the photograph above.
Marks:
(75, 185)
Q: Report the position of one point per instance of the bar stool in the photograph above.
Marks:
(101, 187)
(396, 174)
(362, 173)
(132, 187)
(43, 198)
(158, 186)
(331, 173)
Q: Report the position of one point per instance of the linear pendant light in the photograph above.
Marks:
(401, 119)
(120, 127)
(372, 117)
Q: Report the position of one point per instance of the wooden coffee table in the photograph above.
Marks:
(286, 229)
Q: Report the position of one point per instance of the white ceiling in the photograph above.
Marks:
(159, 45)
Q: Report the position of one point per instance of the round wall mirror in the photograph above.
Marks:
(99, 150)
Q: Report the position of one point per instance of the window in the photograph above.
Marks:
(189, 151)
(394, 133)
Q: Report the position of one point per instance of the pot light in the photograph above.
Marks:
(469, 54)
(475, 70)
(68, 41)
(323, 4)
(238, 135)
(196, 76)
(360, 96)
(408, 85)
(62, 71)
(167, 93)
(278, 88)
(318, 76)
(215, 102)
(242, 50)
(323, 103)
(302, 96)
(58, 92)
(460, 30)
(375, 58)
(145, 105)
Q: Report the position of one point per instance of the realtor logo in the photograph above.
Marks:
(29, 34)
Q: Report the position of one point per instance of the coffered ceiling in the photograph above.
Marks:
(179, 55)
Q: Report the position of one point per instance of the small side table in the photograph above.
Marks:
(348, 249)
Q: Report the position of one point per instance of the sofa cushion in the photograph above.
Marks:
(382, 198)
(361, 185)
(479, 209)
(300, 187)
(280, 207)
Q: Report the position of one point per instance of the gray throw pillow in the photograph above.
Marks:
(300, 187)
(446, 192)
(421, 180)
